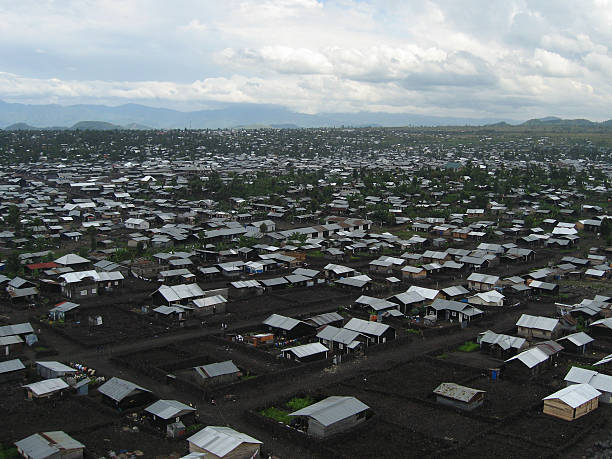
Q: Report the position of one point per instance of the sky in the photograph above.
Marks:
(469, 58)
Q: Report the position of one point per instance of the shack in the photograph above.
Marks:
(330, 416)
(165, 412)
(224, 442)
(50, 370)
(306, 352)
(124, 394)
(57, 444)
(462, 397)
(217, 373)
(572, 402)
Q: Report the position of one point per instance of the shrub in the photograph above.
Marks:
(469, 346)
(276, 414)
(297, 403)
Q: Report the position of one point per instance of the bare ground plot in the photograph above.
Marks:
(435, 422)
(416, 378)
(21, 417)
(494, 445)
(122, 438)
(379, 439)
(118, 326)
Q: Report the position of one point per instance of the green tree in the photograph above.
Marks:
(13, 264)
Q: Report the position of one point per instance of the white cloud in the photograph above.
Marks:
(439, 56)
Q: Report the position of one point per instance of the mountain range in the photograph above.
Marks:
(15, 116)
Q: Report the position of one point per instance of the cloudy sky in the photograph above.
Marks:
(481, 58)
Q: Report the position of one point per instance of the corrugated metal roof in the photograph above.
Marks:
(332, 409)
(217, 369)
(8, 340)
(56, 366)
(366, 327)
(220, 440)
(11, 365)
(63, 440)
(531, 357)
(427, 293)
(167, 409)
(180, 292)
(117, 389)
(47, 386)
(483, 278)
(579, 339)
(457, 392)
(538, 322)
(282, 322)
(504, 341)
(599, 381)
(306, 350)
(575, 395)
(210, 301)
(37, 447)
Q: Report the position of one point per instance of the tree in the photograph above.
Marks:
(92, 233)
(605, 228)
(13, 264)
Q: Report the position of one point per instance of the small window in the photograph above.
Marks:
(83, 292)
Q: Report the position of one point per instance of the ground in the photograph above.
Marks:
(395, 380)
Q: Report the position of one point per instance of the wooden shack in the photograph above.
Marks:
(572, 402)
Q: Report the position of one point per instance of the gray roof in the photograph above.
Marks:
(538, 322)
(37, 447)
(332, 409)
(56, 366)
(457, 392)
(217, 369)
(167, 409)
(306, 350)
(117, 389)
(220, 440)
(282, 322)
(366, 327)
(17, 329)
(11, 365)
(325, 318)
(579, 339)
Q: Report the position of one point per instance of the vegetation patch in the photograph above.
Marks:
(469, 346)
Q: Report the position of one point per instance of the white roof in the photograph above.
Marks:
(579, 339)
(167, 409)
(538, 322)
(47, 386)
(117, 388)
(71, 259)
(332, 409)
(78, 276)
(11, 365)
(56, 366)
(307, 349)
(366, 327)
(607, 322)
(575, 395)
(599, 381)
(531, 357)
(209, 301)
(427, 293)
(504, 341)
(483, 278)
(492, 296)
(180, 292)
(220, 440)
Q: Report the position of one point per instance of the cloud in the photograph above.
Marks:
(516, 58)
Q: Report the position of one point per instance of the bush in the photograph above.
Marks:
(469, 346)
(276, 414)
(297, 403)
(8, 452)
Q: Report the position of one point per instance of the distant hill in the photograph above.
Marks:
(95, 126)
(134, 116)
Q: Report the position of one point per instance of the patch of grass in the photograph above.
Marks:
(41, 348)
(247, 377)
(297, 403)
(277, 414)
(8, 452)
(193, 428)
(469, 346)
(315, 254)
(442, 356)
(414, 331)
